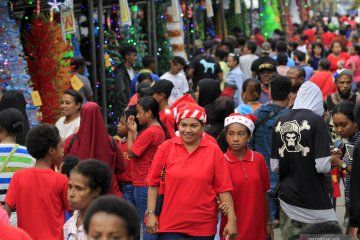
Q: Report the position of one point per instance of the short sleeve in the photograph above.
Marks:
(264, 174)
(87, 88)
(10, 198)
(222, 179)
(63, 188)
(142, 142)
(217, 68)
(154, 175)
(119, 160)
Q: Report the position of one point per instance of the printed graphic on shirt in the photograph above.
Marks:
(208, 65)
(291, 136)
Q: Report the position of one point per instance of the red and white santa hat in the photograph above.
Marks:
(191, 111)
(245, 119)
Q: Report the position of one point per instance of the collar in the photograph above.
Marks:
(145, 70)
(248, 157)
(203, 142)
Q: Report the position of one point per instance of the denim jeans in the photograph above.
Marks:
(273, 204)
(181, 236)
(140, 194)
(128, 190)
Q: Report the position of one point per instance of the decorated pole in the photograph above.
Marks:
(153, 15)
(222, 15)
(92, 48)
(102, 63)
(149, 28)
(37, 8)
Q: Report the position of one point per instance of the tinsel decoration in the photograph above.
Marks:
(49, 70)
(13, 67)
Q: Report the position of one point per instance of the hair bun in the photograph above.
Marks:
(17, 127)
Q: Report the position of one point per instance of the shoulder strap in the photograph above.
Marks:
(7, 159)
(72, 142)
(268, 117)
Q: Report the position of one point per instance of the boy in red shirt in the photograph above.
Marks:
(125, 179)
(39, 193)
(161, 90)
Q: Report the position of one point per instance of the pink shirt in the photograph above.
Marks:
(71, 231)
(356, 60)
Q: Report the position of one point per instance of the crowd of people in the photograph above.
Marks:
(250, 135)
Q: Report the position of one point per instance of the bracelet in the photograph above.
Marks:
(147, 212)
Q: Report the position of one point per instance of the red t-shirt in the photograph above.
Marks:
(327, 38)
(324, 80)
(310, 33)
(8, 232)
(40, 199)
(192, 182)
(334, 60)
(127, 175)
(144, 148)
(168, 119)
(250, 179)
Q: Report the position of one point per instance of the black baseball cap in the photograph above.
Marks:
(160, 86)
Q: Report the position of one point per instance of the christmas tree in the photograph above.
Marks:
(13, 67)
(164, 50)
(50, 71)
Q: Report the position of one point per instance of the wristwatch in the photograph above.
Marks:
(147, 212)
(344, 166)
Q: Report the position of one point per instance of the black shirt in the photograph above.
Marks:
(204, 66)
(300, 139)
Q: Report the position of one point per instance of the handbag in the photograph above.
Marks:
(7, 159)
(160, 197)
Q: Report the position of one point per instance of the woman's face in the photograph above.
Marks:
(237, 136)
(190, 130)
(105, 226)
(68, 106)
(336, 49)
(317, 50)
(352, 51)
(79, 193)
(344, 126)
(142, 116)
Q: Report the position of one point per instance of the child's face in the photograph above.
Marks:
(352, 51)
(106, 226)
(57, 152)
(231, 62)
(142, 116)
(122, 129)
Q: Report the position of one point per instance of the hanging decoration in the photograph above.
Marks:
(125, 13)
(49, 70)
(237, 7)
(55, 6)
(13, 67)
(175, 26)
(209, 9)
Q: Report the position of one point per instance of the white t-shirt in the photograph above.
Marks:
(181, 85)
(67, 129)
(245, 64)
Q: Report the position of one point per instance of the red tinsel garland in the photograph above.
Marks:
(50, 72)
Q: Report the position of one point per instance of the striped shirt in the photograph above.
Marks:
(348, 159)
(21, 159)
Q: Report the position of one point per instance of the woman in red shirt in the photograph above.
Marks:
(336, 57)
(250, 178)
(195, 174)
(142, 147)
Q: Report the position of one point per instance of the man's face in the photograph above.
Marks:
(131, 58)
(265, 76)
(176, 68)
(343, 85)
(297, 81)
